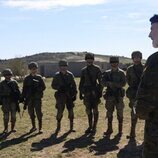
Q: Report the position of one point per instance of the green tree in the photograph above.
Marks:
(18, 67)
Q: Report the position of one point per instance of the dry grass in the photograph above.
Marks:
(74, 145)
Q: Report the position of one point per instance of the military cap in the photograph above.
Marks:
(136, 54)
(154, 19)
(32, 65)
(114, 60)
(89, 56)
(63, 63)
(7, 72)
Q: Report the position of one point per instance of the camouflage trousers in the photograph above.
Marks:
(111, 104)
(8, 107)
(35, 105)
(151, 137)
(91, 103)
(61, 101)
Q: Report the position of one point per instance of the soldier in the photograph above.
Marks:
(147, 97)
(91, 91)
(32, 94)
(133, 76)
(114, 79)
(10, 95)
(65, 86)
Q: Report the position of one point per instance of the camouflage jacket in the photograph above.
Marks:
(63, 83)
(114, 81)
(133, 76)
(90, 77)
(33, 87)
(9, 90)
(147, 95)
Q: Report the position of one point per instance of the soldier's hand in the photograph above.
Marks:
(74, 98)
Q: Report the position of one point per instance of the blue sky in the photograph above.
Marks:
(110, 27)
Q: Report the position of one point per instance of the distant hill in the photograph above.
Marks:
(56, 56)
(70, 56)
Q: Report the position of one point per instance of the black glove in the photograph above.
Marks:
(74, 98)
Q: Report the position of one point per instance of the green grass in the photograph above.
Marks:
(74, 145)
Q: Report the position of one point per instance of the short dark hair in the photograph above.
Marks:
(154, 19)
(89, 56)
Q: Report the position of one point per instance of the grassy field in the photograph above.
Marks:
(76, 144)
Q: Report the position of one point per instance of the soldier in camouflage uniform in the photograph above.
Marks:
(65, 86)
(133, 76)
(90, 91)
(9, 96)
(114, 79)
(32, 93)
(147, 97)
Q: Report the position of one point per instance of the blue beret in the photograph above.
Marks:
(154, 19)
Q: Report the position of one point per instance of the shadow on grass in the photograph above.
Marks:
(105, 144)
(15, 141)
(52, 140)
(4, 136)
(80, 142)
(131, 150)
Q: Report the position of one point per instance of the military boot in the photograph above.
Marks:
(12, 127)
(33, 126)
(58, 126)
(40, 127)
(5, 127)
(72, 126)
(109, 131)
(89, 129)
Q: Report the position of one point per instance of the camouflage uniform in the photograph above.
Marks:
(147, 102)
(9, 94)
(65, 94)
(91, 89)
(114, 80)
(133, 76)
(146, 108)
(32, 93)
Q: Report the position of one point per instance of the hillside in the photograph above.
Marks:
(70, 56)
(54, 57)
(48, 62)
